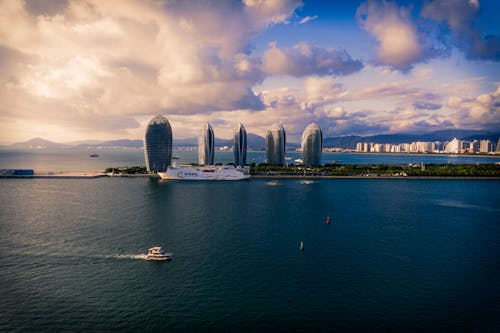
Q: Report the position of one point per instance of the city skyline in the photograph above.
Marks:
(77, 70)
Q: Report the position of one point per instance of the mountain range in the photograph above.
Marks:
(255, 141)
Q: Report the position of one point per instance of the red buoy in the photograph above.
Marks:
(328, 220)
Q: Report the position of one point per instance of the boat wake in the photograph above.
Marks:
(307, 182)
(464, 205)
(272, 183)
(128, 256)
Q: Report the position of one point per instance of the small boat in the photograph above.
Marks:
(328, 220)
(301, 248)
(157, 253)
(94, 155)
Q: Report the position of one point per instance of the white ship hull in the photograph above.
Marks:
(203, 173)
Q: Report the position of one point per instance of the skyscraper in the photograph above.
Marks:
(206, 145)
(312, 145)
(455, 146)
(275, 144)
(240, 145)
(158, 144)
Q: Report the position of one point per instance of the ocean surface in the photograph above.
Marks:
(398, 255)
(79, 159)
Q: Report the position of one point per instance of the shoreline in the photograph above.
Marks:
(91, 175)
(374, 177)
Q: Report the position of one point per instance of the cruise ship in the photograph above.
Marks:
(210, 172)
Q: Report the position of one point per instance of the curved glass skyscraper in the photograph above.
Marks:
(312, 145)
(275, 144)
(240, 145)
(158, 144)
(206, 145)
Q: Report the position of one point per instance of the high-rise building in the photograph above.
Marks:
(240, 145)
(359, 146)
(455, 146)
(206, 145)
(275, 145)
(158, 144)
(498, 147)
(485, 146)
(473, 146)
(312, 145)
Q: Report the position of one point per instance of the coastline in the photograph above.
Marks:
(373, 177)
(90, 175)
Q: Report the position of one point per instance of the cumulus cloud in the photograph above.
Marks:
(305, 59)
(397, 35)
(396, 106)
(483, 110)
(404, 38)
(460, 18)
(130, 58)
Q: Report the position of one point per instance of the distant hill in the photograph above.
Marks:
(83, 142)
(38, 143)
(347, 142)
(255, 141)
(123, 143)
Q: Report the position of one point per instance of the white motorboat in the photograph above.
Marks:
(209, 172)
(157, 253)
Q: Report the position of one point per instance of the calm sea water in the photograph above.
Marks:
(399, 255)
(79, 159)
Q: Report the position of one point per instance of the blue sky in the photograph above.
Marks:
(89, 69)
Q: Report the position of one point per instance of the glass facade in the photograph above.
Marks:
(240, 145)
(276, 145)
(158, 144)
(312, 145)
(206, 146)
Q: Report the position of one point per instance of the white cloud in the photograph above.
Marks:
(483, 110)
(308, 19)
(392, 26)
(129, 58)
(305, 59)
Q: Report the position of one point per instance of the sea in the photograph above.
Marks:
(399, 255)
(79, 160)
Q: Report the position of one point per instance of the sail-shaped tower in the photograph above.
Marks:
(312, 145)
(240, 145)
(158, 144)
(276, 145)
(206, 145)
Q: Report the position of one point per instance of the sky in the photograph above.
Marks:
(100, 70)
